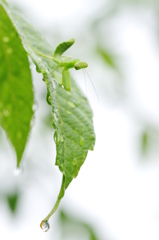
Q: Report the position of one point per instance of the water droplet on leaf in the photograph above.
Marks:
(45, 226)
(54, 83)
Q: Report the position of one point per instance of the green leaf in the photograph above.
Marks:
(108, 57)
(71, 112)
(12, 200)
(62, 47)
(73, 226)
(16, 91)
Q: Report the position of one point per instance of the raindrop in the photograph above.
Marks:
(81, 141)
(62, 86)
(54, 83)
(18, 171)
(45, 226)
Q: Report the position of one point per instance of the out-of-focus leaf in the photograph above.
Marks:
(71, 222)
(144, 142)
(12, 200)
(108, 58)
(16, 91)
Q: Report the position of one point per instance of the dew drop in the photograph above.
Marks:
(18, 171)
(45, 226)
(62, 86)
(81, 141)
(54, 83)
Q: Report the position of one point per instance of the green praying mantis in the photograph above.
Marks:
(65, 62)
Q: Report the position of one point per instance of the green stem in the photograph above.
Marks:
(60, 196)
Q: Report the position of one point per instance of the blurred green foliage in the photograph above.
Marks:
(12, 200)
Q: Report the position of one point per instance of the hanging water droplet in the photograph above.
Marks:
(62, 86)
(45, 226)
(54, 83)
(18, 171)
(81, 141)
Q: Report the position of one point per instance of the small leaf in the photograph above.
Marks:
(80, 226)
(16, 91)
(62, 47)
(108, 57)
(12, 200)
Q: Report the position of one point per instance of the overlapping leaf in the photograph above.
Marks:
(71, 112)
(16, 92)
